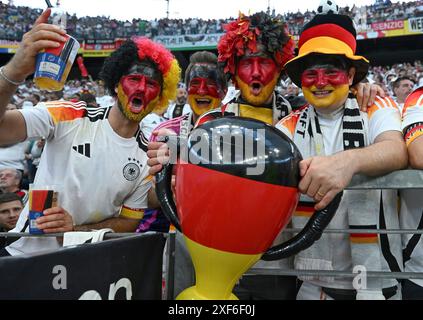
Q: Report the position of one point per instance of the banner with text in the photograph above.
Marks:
(98, 48)
(126, 268)
(394, 28)
(190, 41)
(7, 46)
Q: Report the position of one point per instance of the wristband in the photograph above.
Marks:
(8, 80)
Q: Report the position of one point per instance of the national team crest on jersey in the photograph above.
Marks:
(132, 169)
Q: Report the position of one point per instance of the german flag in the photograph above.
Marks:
(412, 132)
(413, 102)
(364, 238)
(415, 99)
(66, 111)
(304, 209)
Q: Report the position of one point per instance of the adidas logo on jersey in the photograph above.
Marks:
(83, 149)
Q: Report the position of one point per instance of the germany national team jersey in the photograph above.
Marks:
(98, 173)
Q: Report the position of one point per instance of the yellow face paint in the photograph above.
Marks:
(124, 106)
(201, 104)
(257, 96)
(329, 97)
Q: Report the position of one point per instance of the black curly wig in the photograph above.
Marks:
(118, 65)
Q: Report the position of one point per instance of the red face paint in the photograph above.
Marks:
(203, 87)
(257, 69)
(321, 77)
(140, 91)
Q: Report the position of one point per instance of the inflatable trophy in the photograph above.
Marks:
(236, 189)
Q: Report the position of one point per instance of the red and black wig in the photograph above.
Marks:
(140, 49)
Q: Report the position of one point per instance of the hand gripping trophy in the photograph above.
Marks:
(236, 189)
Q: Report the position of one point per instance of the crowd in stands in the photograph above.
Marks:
(15, 21)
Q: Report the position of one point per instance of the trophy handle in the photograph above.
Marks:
(164, 190)
(311, 232)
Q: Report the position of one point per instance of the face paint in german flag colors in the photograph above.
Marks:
(325, 86)
(205, 88)
(256, 77)
(139, 91)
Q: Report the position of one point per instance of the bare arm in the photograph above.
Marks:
(58, 219)
(153, 201)
(324, 177)
(415, 153)
(42, 36)
(387, 154)
(119, 224)
(7, 90)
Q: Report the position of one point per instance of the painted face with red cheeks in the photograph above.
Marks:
(139, 90)
(256, 77)
(326, 86)
(323, 76)
(260, 69)
(203, 87)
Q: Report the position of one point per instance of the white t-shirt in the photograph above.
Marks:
(100, 174)
(411, 213)
(379, 118)
(13, 156)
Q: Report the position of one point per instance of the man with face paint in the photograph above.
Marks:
(253, 52)
(88, 148)
(255, 69)
(337, 141)
(207, 87)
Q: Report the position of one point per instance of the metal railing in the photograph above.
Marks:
(402, 179)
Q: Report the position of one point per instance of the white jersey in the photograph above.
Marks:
(411, 214)
(150, 122)
(379, 119)
(170, 112)
(100, 174)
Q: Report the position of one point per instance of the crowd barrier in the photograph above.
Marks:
(127, 266)
(403, 179)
